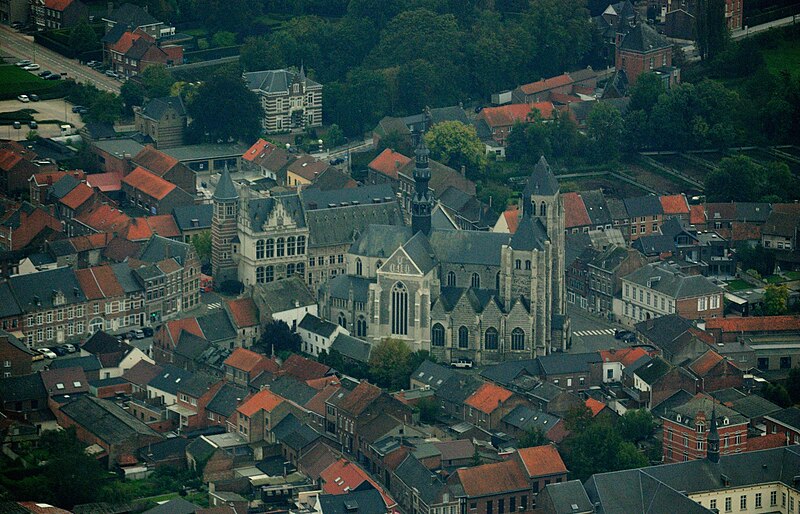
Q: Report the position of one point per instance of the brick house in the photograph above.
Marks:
(487, 406)
(244, 315)
(152, 193)
(541, 90)
(498, 486)
(646, 214)
(653, 380)
(40, 183)
(243, 366)
(194, 395)
(167, 167)
(543, 465)
(109, 305)
(290, 99)
(686, 430)
(786, 422)
(605, 276)
(15, 357)
(270, 160)
(17, 166)
(715, 372)
(644, 50)
(163, 119)
(136, 51)
(25, 226)
(260, 414)
(573, 372)
(58, 14)
(497, 122)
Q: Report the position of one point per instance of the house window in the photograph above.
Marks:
(269, 274)
(301, 245)
(399, 309)
(490, 339)
(476, 281)
(260, 275)
(260, 249)
(463, 337)
(437, 335)
(517, 339)
(290, 245)
(702, 303)
(451, 279)
(758, 500)
(518, 264)
(773, 499)
(528, 265)
(728, 504)
(280, 247)
(743, 502)
(270, 248)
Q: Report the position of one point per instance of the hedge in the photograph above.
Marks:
(212, 54)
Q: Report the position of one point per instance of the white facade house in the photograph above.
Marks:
(318, 334)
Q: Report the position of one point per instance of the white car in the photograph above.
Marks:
(23, 62)
(47, 352)
(23, 98)
(31, 67)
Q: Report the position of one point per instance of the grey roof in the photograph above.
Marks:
(187, 153)
(424, 481)
(23, 387)
(318, 199)
(654, 369)
(530, 235)
(505, 372)
(419, 250)
(436, 115)
(468, 206)
(198, 384)
(317, 326)
(62, 187)
(524, 418)
(106, 420)
(752, 212)
(158, 248)
(343, 225)
(116, 32)
(468, 246)
(542, 182)
(616, 208)
(477, 298)
(217, 326)
(170, 378)
(432, 374)
(610, 259)
(655, 244)
(441, 220)
(458, 388)
(595, 203)
(649, 205)
(227, 400)
(352, 347)
(100, 130)
(260, 209)
(380, 240)
(273, 81)
(789, 417)
(341, 285)
(131, 15)
(87, 363)
(166, 449)
(754, 406)
(567, 498)
(119, 147)
(155, 108)
(676, 399)
(281, 295)
(575, 246)
(701, 403)
(13, 341)
(35, 292)
(366, 499)
(292, 389)
(644, 38)
(174, 506)
(665, 279)
(193, 217)
(663, 331)
(560, 363)
(300, 437)
(225, 190)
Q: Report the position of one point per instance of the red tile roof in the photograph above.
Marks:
(307, 167)
(755, 324)
(575, 213)
(78, 196)
(625, 356)
(343, 476)
(244, 312)
(674, 204)
(565, 99)
(125, 42)
(745, 231)
(31, 225)
(595, 406)
(105, 182)
(99, 282)
(257, 150)
(317, 402)
(321, 383)
(360, 398)
(141, 229)
(267, 155)
(90, 242)
(304, 369)
(490, 479)
(148, 183)
(264, 400)
(697, 214)
(104, 218)
(507, 115)
(546, 84)
(542, 461)
(488, 397)
(248, 360)
(50, 178)
(512, 218)
(705, 363)
(389, 162)
(155, 161)
(57, 5)
(190, 325)
(765, 442)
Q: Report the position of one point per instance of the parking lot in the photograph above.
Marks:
(52, 110)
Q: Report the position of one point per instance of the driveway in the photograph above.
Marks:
(59, 110)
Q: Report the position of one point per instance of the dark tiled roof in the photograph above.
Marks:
(167, 449)
(568, 497)
(644, 38)
(425, 483)
(106, 420)
(21, 388)
(40, 288)
(260, 209)
(380, 240)
(560, 363)
(468, 246)
(653, 370)
(186, 215)
(170, 378)
(343, 225)
(156, 107)
(530, 235)
(789, 417)
(542, 181)
(159, 248)
(88, 363)
(655, 244)
(525, 418)
(317, 326)
(672, 282)
(198, 384)
(292, 389)
(432, 374)
(352, 347)
(367, 499)
(649, 205)
(273, 81)
(596, 207)
(217, 326)
(174, 506)
(227, 400)
(341, 285)
(505, 372)
(663, 331)
(281, 295)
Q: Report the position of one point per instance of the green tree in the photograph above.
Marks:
(604, 129)
(757, 258)
(131, 93)
(636, 130)
(255, 55)
(71, 476)
(776, 300)
(224, 109)
(334, 137)
(532, 437)
(793, 384)
(578, 418)
(278, 337)
(599, 448)
(202, 245)
(644, 94)
(636, 425)
(456, 145)
(83, 39)
(389, 364)
(397, 142)
(105, 107)
(777, 394)
(428, 410)
(711, 31)
(157, 81)
(223, 38)
(736, 179)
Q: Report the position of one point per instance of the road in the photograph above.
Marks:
(591, 333)
(20, 46)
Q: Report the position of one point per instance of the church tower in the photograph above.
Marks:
(713, 438)
(421, 202)
(224, 229)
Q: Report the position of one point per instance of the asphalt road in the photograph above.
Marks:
(19, 46)
(591, 333)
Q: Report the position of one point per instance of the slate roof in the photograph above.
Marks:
(568, 497)
(155, 108)
(62, 188)
(526, 419)
(380, 240)
(542, 180)
(158, 248)
(468, 246)
(225, 190)
(664, 330)
(653, 370)
(561, 363)
(259, 209)
(116, 32)
(788, 417)
(227, 399)
(87, 363)
(671, 282)
(40, 287)
(216, 326)
(753, 406)
(106, 420)
(132, 15)
(343, 225)
(273, 81)
(185, 216)
(8, 303)
(424, 482)
(23, 387)
(352, 347)
(505, 372)
(198, 384)
(281, 295)
(654, 244)
(169, 379)
(432, 374)
(643, 38)
(365, 499)
(649, 205)
(317, 326)
(292, 389)
(341, 285)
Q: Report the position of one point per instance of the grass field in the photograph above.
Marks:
(785, 56)
(738, 285)
(16, 81)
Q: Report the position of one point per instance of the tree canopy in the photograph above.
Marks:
(278, 337)
(223, 109)
(456, 145)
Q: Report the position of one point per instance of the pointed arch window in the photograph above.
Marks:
(378, 264)
(437, 335)
(497, 281)
(543, 209)
(476, 281)
(290, 248)
(517, 339)
(270, 248)
(342, 320)
(260, 249)
(399, 309)
(358, 267)
(301, 268)
(490, 340)
(451, 279)
(528, 265)
(361, 326)
(463, 337)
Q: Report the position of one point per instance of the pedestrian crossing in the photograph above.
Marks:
(215, 305)
(603, 332)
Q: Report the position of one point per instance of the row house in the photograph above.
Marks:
(135, 51)
(110, 306)
(194, 395)
(645, 214)
(166, 166)
(40, 183)
(258, 416)
(243, 366)
(176, 283)
(115, 357)
(152, 193)
(221, 408)
(15, 357)
(17, 166)
(605, 274)
(785, 422)
(496, 123)
(163, 120)
(267, 158)
(58, 14)
(416, 489)
(27, 227)
(650, 381)
(487, 406)
(79, 251)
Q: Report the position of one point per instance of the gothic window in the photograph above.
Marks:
(497, 281)
(290, 245)
(260, 274)
(451, 279)
(528, 265)
(518, 264)
(476, 281)
(301, 245)
(463, 337)
(358, 267)
(490, 339)
(269, 274)
(289, 270)
(543, 209)
(270, 248)
(361, 327)
(437, 335)
(517, 339)
(342, 320)
(280, 246)
(399, 309)
(260, 249)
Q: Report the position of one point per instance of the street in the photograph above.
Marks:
(591, 333)
(19, 46)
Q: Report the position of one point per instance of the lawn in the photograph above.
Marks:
(792, 275)
(738, 285)
(774, 279)
(15, 81)
(784, 56)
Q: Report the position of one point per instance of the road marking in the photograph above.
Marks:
(215, 305)
(607, 331)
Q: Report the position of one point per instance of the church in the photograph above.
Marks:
(461, 294)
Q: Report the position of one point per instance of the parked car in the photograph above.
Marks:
(92, 64)
(34, 98)
(45, 73)
(23, 62)
(148, 332)
(32, 124)
(23, 98)
(77, 108)
(17, 125)
(59, 351)
(112, 74)
(83, 110)
(462, 363)
(625, 335)
(31, 67)
(131, 334)
(336, 161)
(47, 352)
(70, 348)
(53, 76)
(138, 334)
(17, 25)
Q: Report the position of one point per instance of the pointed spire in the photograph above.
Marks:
(713, 437)
(421, 201)
(542, 181)
(225, 190)
(302, 72)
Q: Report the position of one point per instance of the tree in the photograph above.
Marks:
(777, 394)
(83, 39)
(202, 245)
(456, 145)
(636, 425)
(578, 418)
(334, 137)
(776, 300)
(257, 54)
(532, 437)
(389, 364)
(131, 93)
(223, 38)
(106, 107)
(711, 31)
(757, 258)
(644, 94)
(736, 179)
(604, 128)
(599, 448)
(224, 109)
(157, 81)
(278, 337)
(428, 410)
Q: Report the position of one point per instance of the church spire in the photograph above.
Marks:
(713, 438)
(421, 202)
(225, 190)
